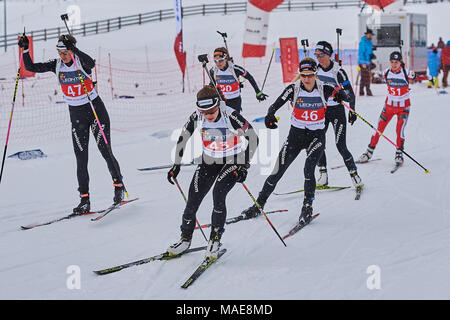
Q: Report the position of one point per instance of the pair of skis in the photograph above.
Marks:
(206, 263)
(102, 214)
(396, 167)
(357, 195)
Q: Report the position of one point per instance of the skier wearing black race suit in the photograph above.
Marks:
(331, 73)
(307, 132)
(226, 78)
(224, 162)
(81, 115)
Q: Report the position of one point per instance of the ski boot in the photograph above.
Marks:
(356, 179)
(212, 249)
(398, 157)
(181, 246)
(366, 155)
(323, 178)
(84, 206)
(306, 214)
(253, 211)
(119, 192)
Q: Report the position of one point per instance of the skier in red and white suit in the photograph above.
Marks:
(397, 103)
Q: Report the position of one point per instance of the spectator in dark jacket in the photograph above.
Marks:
(441, 43)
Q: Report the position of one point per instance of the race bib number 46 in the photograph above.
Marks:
(309, 115)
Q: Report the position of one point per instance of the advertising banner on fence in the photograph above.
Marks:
(257, 26)
(289, 58)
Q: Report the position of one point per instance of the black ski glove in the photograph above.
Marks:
(24, 42)
(338, 97)
(261, 96)
(352, 117)
(271, 121)
(173, 173)
(241, 172)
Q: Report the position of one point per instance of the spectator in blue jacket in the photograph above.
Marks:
(434, 64)
(365, 55)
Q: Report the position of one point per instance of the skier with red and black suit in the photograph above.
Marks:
(307, 132)
(331, 73)
(397, 103)
(224, 162)
(81, 115)
(226, 76)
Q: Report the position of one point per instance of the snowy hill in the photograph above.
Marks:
(399, 228)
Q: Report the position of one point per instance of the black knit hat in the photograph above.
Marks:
(396, 55)
(325, 47)
(307, 64)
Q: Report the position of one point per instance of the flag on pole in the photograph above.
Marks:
(178, 45)
(257, 26)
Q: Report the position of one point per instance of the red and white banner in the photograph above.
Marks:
(289, 58)
(257, 26)
(178, 45)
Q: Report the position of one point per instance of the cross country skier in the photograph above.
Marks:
(81, 115)
(397, 103)
(331, 73)
(307, 132)
(224, 162)
(226, 76)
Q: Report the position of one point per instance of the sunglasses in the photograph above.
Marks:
(219, 60)
(307, 75)
(319, 55)
(209, 111)
(63, 52)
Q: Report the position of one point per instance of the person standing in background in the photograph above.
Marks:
(434, 63)
(445, 63)
(441, 43)
(365, 55)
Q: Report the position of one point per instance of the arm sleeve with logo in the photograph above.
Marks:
(38, 67)
(288, 94)
(186, 133)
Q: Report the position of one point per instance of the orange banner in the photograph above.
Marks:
(23, 72)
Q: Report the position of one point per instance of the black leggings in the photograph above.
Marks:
(83, 120)
(336, 115)
(235, 104)
(298, 139)
(204, 177)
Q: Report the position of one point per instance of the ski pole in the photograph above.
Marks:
(224, 36)
(64, 17)
(203, 58)
(12, 112)
(268, 67)
(262, 211)
(305, 44)
(380, 133)
(185, 199)
(338, 33)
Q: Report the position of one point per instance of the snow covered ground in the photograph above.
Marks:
(399, 228)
